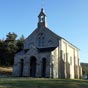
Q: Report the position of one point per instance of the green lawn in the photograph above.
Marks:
(41, 83)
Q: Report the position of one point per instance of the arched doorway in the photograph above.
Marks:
(32, 66)
(43, 67)
(21, 67)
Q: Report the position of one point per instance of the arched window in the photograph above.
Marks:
(41, 40)
(64, 58)
(70, 60)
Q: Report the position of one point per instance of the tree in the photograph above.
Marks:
(84, 68)
(20, 43)
(10, 48)
(11, 36)
(2, 50)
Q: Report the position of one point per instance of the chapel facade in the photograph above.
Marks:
(47, 55)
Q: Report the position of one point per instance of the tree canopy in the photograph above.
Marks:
(84, 68)
(9, 47)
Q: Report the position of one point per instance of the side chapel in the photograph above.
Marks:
(48, 55)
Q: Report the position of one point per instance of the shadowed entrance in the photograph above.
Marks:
(43, 67)
(32, 66)
(21, 67)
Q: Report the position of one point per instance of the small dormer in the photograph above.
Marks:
(42, 18)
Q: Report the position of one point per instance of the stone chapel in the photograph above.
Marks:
(47, 55)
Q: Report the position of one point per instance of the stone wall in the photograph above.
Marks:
(26, 64)
(70, 57)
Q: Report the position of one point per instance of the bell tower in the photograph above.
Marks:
(42, 19)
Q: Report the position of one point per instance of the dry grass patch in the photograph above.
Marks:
(5, 70)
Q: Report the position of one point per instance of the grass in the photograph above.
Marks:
(6, 81)
(41, 83)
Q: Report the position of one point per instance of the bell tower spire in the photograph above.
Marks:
(42, 18)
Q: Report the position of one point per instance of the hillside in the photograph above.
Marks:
(84, 68)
